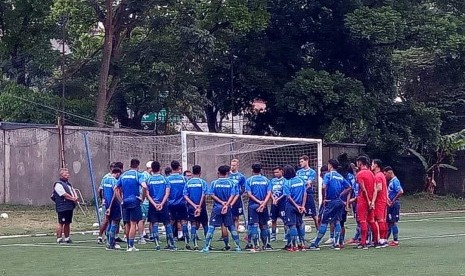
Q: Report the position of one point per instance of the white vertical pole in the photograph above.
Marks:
(319, 165)
(184, 150)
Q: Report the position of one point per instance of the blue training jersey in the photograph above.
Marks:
(259, 186)
(307, 175)
(156, 186)
(239, 180)
(223, 188)
(334, 183)
(194, 189)
(177, 183)
(129, 182)
(295, 189)
(394, 188)
(108, 185)
(277, 186)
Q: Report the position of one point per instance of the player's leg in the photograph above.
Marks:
(104, 227)
(252, 227)
(67, 226)
(135, 215)
(291, 221)
(229, 223)
(343, 228)
(183, 217)
(264, 217)
(325, 219)
(374, 227)
(60, 225)
(274, 214)
(362, 216)
(330, 240)
(380, 218)
(394, 215)
(216, 220)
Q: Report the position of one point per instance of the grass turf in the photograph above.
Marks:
(430, 245)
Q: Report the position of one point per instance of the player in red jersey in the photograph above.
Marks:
(380, 199)
(365, 205)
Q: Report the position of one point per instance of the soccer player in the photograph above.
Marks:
(381, 200)
(177, 203)
(365, 212)
(278, 206)
(237, 209)
(223, 192)
(295, 192)
(334, 186)
(258, 188)
(158, 191)
(129, 193)
(194, 194)
(144, 207)
(395, 191)
(105, 224)
(309, 176)
(112, 206)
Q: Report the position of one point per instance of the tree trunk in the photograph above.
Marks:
(212, 120)
(193, 122)
(102, 102)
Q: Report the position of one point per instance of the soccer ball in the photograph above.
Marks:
(241, 229)
(4, 215)
(308, 229)
(95, 225)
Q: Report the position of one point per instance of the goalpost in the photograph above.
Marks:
(210, 150)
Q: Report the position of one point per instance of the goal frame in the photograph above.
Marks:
(318, 142)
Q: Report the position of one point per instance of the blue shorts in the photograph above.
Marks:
(278, 211)
(310, 206)
(155, 216)
(261, 218)
(293, 217)
(332, 211)
(217, 219)
(237, 209)
(393, 212)
(133, 214)
(115, 211)
(178, 212)
(202, 219)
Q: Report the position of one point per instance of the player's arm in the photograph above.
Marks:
(363, 190)
(399, 194)
(204, 192)
(167, 195)
(150, 199)
(186, 197)
(217, 199)
(119, 194)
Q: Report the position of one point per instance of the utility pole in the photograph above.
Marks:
(61, 117)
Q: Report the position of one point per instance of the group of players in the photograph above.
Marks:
(176, 199)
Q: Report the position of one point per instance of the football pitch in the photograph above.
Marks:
(430, 245)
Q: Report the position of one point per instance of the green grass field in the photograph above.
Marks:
(430, 245)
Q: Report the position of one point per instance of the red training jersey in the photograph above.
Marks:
(381, 198)
(366, 178)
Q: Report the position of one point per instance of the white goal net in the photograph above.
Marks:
(211, 150)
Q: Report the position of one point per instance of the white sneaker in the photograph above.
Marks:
(329, 241)
(313, 240)
(142, 241)
(132, 249)
(117, 246)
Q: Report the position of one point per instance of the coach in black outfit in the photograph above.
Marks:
(65, 202)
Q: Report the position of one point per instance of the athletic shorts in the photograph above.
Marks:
(155, 216)
(133, 214)
(363, 213)
(393, 212)
(261, 218)
(200, 219)
(381, 212)
(115, 211)
(278, 211)
(332, 211)
(217, 219)
(65, 217)
(144, 209)
(310, 206)
(293, 217)
(178, 212)
(237, 209)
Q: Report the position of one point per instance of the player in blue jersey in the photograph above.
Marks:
(237, 209)
(295, 192)
(128, 189)
(144, 207)
(335, 186)
(177, 203)
(395, 191)
(309, 176)
(258, 189)
(112, 206)
(222, 191)
(278, 206)
(194, 194)
(158, 191)
(105, 224)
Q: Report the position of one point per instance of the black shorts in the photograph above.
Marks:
(178, 212)
(237, 209)
(155, 216)
(261, 218)
(133, 214)
(278, 211)
(65, 217)
(332, 211)
(393, 213)
(202, 219)
(115, 211)
(217, 219)
(293, 217)
(310, 206)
